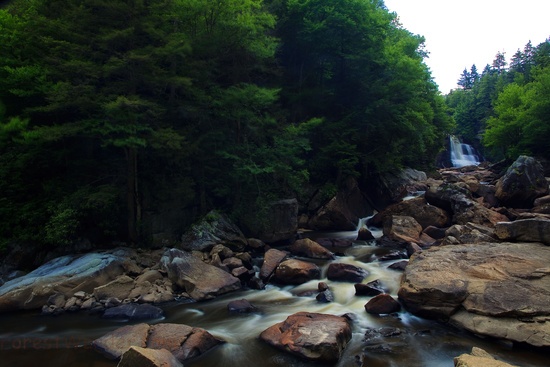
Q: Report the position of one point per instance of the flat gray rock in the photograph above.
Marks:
(64, 275)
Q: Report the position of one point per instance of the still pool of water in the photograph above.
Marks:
(30, 339)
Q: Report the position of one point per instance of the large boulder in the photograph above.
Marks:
(418, 208)
(458, 200)
(119, 288)
(279, 222)
(530, 230)
(200, 280)
(309, 248)
(317, 337)
(402, 229)
(65, 275)
(468, 233)
(293, 271)
(342, 272)
(343, 211)
(382, 304)
(522, 183)
(114, 344)
(183, 341)
(492, 284)
(393, 186)
(272, 259)
(531, 330)
(215, 228)
(448, 196)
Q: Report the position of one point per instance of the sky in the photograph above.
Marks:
(460, 33)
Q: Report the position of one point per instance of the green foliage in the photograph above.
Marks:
(521, 122)
(117, 112)
(505, 109)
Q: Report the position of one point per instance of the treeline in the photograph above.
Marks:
(121, 119)
(505, 110)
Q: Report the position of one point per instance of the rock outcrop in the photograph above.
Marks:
(495, 282)
(65, 275)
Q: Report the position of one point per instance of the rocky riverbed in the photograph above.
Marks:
(472, 248)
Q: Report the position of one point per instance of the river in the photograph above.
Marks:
(30, 339)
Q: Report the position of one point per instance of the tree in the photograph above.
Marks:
(499, 63)
(106, 82)
(468, 79)
(521, 123)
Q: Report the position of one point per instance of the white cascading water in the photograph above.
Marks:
(462, 154)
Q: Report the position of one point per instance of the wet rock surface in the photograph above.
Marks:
(182, 341)
(313, 336)
(143, 357)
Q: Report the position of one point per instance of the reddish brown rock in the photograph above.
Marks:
(272, 259)
(370, 289)
(382, 304)
(346, 273)
(317, 337)
(114, 344)
(182, 341)
(143, 357)
(308, 248)
(294, 271)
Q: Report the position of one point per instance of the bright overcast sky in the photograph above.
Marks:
(460, 33)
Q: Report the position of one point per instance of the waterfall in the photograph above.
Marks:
(462, 154)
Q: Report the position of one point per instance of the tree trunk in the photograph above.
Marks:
(134, 207)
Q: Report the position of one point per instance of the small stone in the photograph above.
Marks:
(325, 297)
(80, 294)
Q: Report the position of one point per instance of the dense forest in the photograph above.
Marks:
(505, 111)
(117, 117)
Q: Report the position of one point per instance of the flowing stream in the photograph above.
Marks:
(30, 339)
